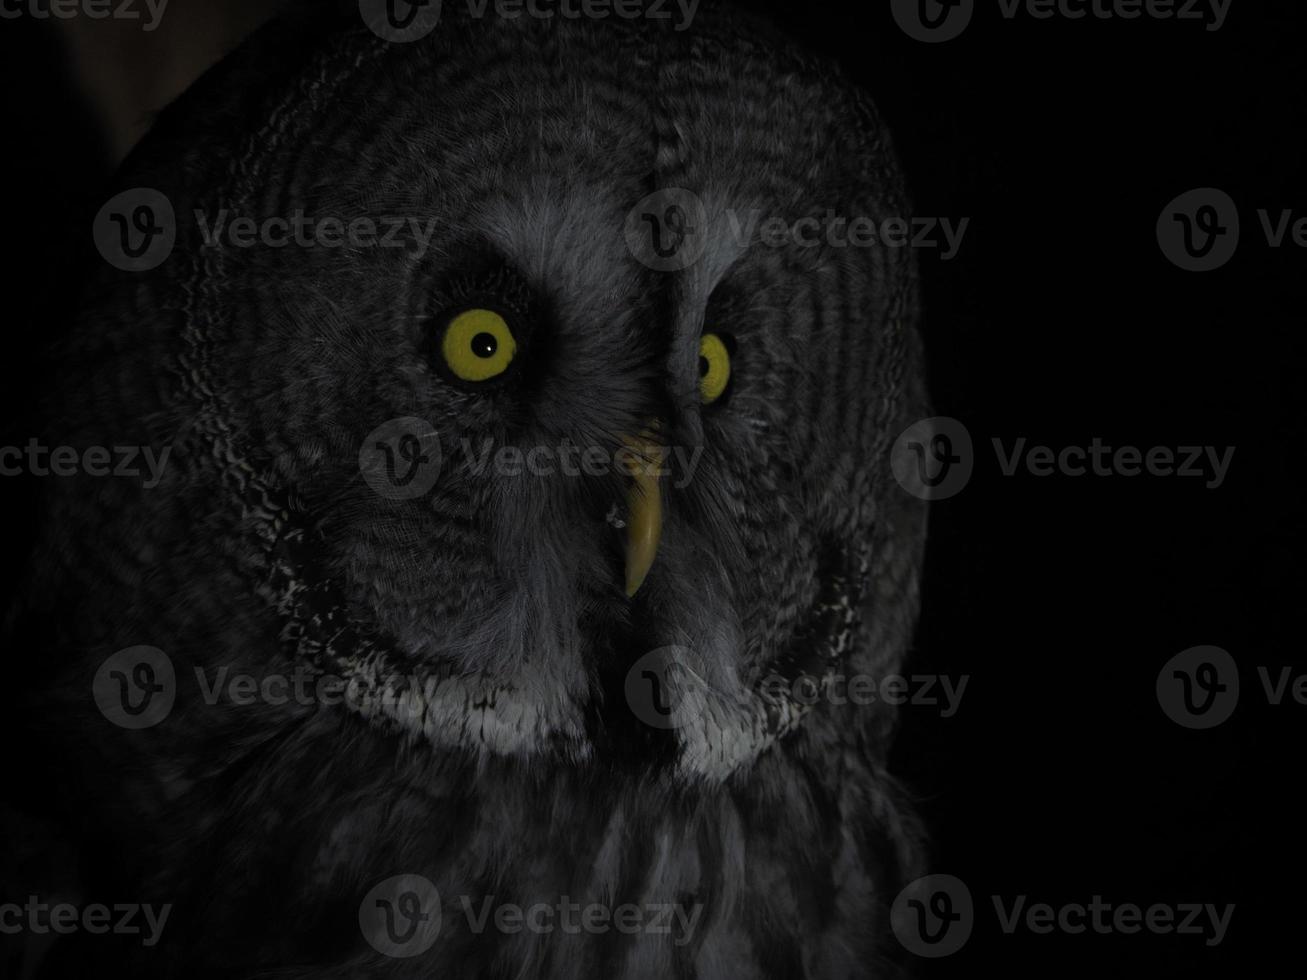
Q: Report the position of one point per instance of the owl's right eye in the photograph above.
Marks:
(478, 345)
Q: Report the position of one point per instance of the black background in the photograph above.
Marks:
(1060, 320)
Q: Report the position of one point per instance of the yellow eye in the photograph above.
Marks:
(478, 345)
(714, 368)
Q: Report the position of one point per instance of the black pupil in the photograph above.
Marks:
(703, 367)
(484, 345)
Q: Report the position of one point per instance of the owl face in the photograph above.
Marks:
(579, 282)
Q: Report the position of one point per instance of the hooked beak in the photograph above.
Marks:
(644, 508)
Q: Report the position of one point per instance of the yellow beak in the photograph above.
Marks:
(644, 526)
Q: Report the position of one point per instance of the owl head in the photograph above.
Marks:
(506, 359)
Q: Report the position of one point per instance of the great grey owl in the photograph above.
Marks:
(575, 719)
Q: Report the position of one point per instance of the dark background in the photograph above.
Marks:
(1060, 320)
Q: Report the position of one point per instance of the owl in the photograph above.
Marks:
(520, 499)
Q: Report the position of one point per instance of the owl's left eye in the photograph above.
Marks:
(478, 345)
(714, 367)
